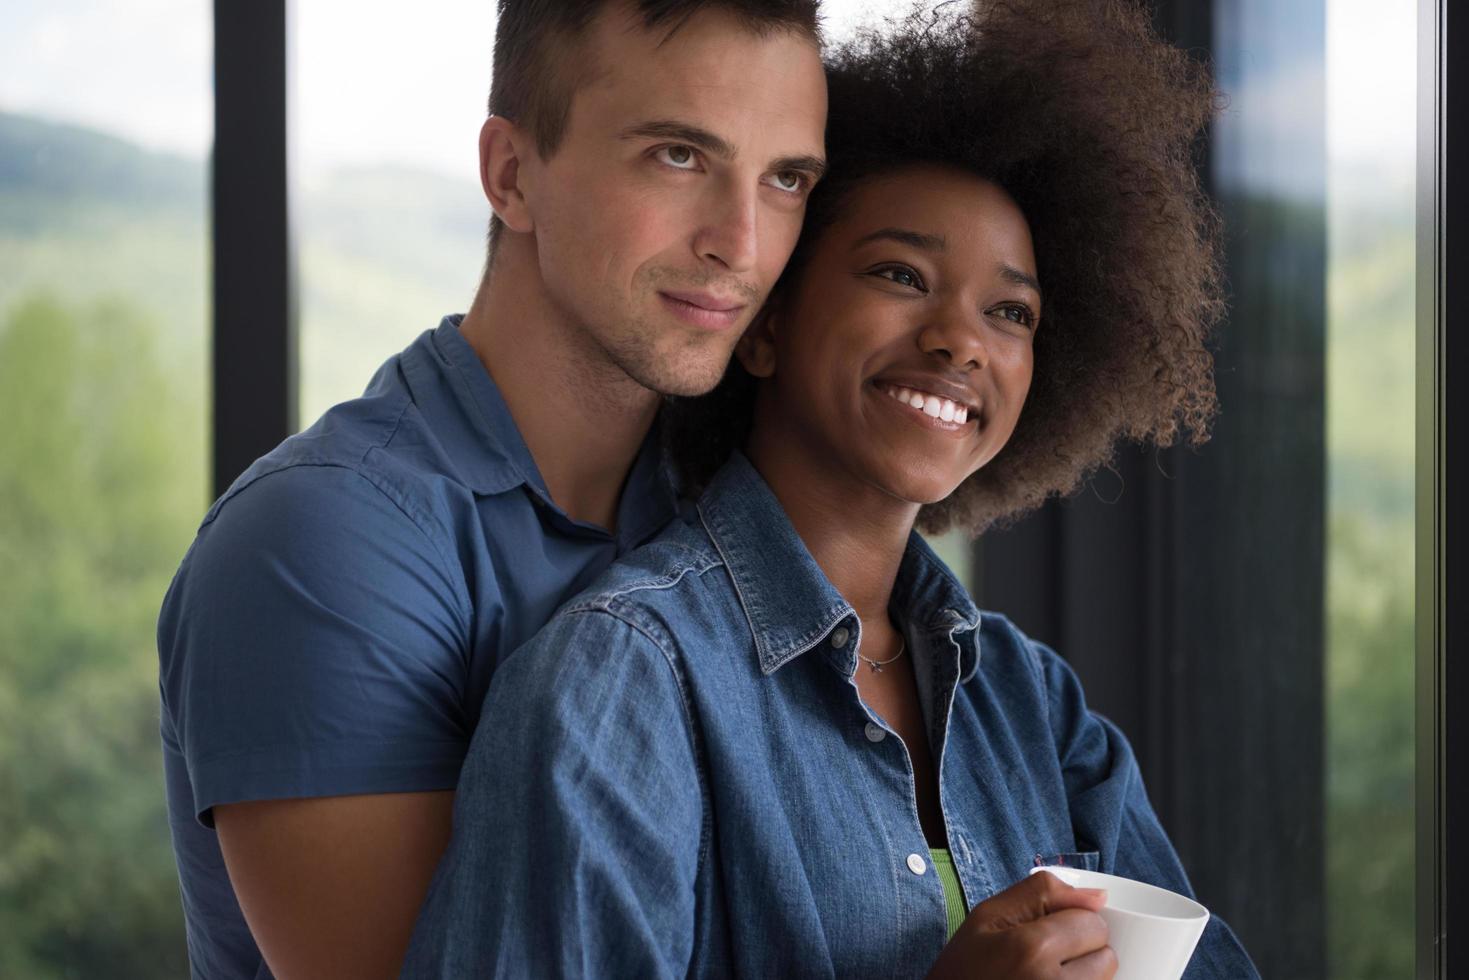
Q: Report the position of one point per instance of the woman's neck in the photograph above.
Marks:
(856, 532)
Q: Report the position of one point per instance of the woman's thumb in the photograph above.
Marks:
(1033, 898)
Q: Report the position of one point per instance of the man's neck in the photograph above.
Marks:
(582, 418)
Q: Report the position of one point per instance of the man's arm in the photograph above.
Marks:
(312, 663)
(331, 887)
(578, 823)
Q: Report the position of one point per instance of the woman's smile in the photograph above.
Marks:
(928, 410)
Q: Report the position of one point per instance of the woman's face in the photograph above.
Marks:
(904, 353)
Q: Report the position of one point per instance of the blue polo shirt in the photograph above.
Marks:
(335, 624)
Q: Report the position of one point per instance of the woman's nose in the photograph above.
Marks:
(958, 337)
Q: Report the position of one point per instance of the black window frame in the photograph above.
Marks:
(1441, 556)
(254, 333)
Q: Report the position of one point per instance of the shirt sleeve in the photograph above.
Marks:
(1110, 812)
(579, 817)
(313, 643)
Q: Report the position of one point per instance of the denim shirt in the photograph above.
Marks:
(677, 776)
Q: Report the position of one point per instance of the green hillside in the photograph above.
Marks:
(383, 252)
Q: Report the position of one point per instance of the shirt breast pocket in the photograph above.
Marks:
(1084, 860)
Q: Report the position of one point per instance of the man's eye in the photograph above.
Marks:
(680, 157)
(900, 274)
(789, 180)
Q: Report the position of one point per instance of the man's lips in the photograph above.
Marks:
(703, 309)
(706, 301)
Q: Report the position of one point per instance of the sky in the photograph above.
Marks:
(141, 69)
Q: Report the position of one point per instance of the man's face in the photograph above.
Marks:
(667, 212)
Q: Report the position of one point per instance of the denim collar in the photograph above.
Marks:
(789, 602)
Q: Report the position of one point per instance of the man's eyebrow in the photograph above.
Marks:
(918, 239)
(678, 132)
(1011, 274)
(815, 166)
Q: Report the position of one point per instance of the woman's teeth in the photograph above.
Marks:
(931, 405)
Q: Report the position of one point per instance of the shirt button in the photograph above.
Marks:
(874, 732)
(916, 864)
(839, 637)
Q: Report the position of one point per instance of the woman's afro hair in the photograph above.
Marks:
(1091, 123)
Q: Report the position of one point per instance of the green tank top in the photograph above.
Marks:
(953, 892)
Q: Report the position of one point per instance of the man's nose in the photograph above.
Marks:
(731, 234)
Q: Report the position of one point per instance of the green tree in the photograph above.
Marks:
(1369, 671)
(101, 484)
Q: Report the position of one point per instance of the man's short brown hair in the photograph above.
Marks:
(537, 69)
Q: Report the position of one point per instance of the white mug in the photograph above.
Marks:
(1152, 930)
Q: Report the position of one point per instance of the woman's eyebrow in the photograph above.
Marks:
(1011, 274)
(918, 239)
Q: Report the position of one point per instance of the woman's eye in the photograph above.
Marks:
(678, 157)
(901, 275)
(1018, 314)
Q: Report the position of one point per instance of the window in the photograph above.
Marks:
(104, 319)
(1246, 612)
(392, 221)
(1371, 267)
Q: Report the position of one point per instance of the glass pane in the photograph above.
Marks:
(103, 324)
(1267, 567)
(392, 221)
(1371, 57)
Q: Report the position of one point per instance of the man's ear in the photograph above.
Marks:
(502, 147)
(756, 349)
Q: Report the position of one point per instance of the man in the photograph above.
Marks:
(328, 640)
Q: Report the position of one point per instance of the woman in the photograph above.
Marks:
(781, 740)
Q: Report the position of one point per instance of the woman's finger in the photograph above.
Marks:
(1030, 899)
(1064, 936)
(1100, 964)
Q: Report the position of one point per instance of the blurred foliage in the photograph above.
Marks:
(1369, 586)
(100, 489)
(1369, 814)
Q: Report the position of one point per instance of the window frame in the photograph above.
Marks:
(255, 318)
(1442, 298)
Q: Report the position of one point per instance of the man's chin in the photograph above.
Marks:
(686, 380)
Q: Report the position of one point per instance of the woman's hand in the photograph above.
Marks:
(1039, 928)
